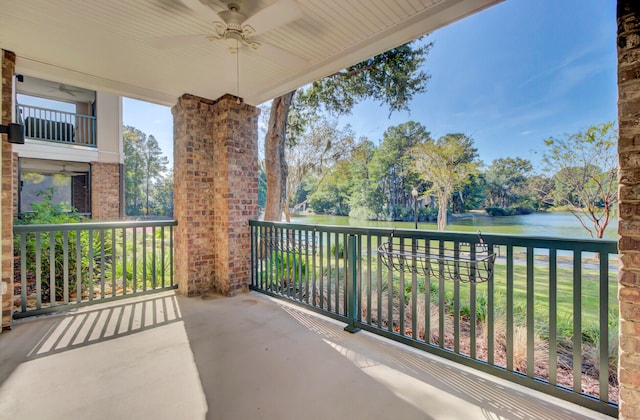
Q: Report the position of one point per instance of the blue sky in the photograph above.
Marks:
(508, 77)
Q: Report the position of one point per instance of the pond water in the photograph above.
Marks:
(559, 225)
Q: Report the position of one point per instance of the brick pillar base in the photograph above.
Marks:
(6, 285)
(629, 207)
(105, 191)
(215, 193)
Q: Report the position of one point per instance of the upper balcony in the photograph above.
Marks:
(55, 112)
(57, 126)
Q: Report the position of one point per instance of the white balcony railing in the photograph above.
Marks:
(57, 126)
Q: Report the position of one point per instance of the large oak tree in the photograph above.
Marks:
(391, 78)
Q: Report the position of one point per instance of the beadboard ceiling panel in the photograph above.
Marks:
(157, 50)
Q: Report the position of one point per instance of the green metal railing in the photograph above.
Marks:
(541, 312)
(59, 266)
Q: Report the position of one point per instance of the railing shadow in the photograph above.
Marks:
(50, 335)
(494, 398)
(97, 325)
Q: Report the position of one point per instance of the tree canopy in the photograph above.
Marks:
(391, 78)
(148, 184)
(586, 173)
(446, 165)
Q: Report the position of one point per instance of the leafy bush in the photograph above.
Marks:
(47, 212)
(509, 211)
(292, 268)
(143, 274)
(340, 250)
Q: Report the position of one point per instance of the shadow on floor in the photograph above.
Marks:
(87, 325)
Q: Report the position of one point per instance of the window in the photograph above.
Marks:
(68, 182)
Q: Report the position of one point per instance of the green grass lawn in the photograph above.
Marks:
(590, 294)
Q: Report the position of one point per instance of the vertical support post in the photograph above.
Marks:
(7, 70)
(628, 43)
(352, 298)
(216, 193)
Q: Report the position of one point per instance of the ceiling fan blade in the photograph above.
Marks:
(168, 42)
(280, 56)
(64, 89)
(274, 16)
(205, 11)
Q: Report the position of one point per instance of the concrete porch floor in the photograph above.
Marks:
(165, 356)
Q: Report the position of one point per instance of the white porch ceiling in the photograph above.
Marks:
(128, 47)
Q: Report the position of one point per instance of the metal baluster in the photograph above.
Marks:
(65, 266)
(329, 271)
(441, 293)
(369, 279)
(162, 253)
(102, 266)
(124, 261)
(313, 267)
(379, 307)
(414, 290)
(306, 266)
(23, 271)
(38, 272)
(401, 290)
(530, 314)
(113, 262)
(390, 291)
(490, 306)
(336, 286)
(577, 322)
(144, 259)
(456, 297)
(154, 259)
(510, 307)
(134, 251)
(78, 266)
(604, 326)
(473, 310)
(52, 268)
(90, 264)
(553, 316)
(321, 263)
(427, 291)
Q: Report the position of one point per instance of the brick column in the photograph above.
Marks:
(629, 206)
(215, 193)
(8, 69)
(105, 191)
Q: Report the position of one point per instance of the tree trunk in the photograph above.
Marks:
(274, 162)
(443, 203)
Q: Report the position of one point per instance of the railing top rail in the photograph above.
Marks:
(55, 110)
(92, 225)
(588, 245)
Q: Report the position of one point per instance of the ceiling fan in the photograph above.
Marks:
(233, 26)
(68, 172)
(65, 89)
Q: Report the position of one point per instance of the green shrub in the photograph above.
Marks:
(290, 267)
(46, 212)
(509, 211)
(340, 250)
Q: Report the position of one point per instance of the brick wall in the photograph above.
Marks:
(215, 193)
(16, 183)
(235, 192)
(629, 214)
(105, 191)
(8, 68)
